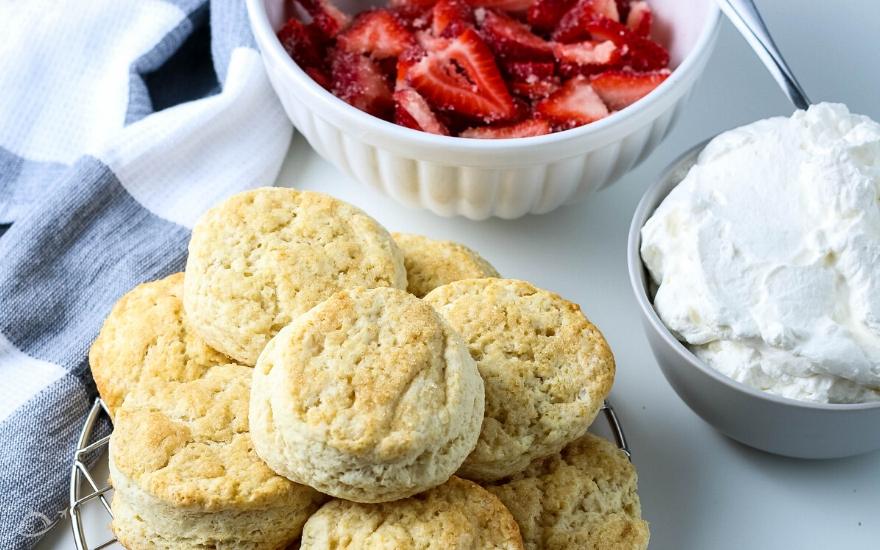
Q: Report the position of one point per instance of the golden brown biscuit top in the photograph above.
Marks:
(544, 364)
(146, 336)
(457, 515)
(367, 372)
(584, 497)
(187, 443)
(431, 263)
(262, 258)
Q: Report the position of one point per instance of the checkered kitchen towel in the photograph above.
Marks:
(102, 181)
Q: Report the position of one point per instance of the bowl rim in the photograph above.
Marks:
(261, 27)
(649, 202)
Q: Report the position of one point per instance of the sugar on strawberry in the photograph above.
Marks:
(481, 68)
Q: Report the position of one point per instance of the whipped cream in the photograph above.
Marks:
(766, 256)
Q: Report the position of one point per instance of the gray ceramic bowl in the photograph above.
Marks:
(758, 419)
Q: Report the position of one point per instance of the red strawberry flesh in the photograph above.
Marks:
(464, 79)
(511, 39)
(574, 104)
(527, 128)
(620, 89)
(379, 33)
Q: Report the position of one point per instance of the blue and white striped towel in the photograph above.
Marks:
(102, 185)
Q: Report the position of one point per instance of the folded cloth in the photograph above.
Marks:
(102, 186)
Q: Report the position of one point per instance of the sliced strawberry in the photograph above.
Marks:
(462, 77)
(574, 104)
(515, 6)
(544, 15)
(379, 33)
(538, 89)
(411, 110)
(510, 39)
(327, 17)
(619, 89)
(642, 54)
(572, 26)
(586, 57)
(300, 44)
(526, 128)
(530, 71)
(406, 60)
(359, 81)
(451, 17)
(639, 19)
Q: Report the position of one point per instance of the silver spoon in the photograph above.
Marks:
(745, 17)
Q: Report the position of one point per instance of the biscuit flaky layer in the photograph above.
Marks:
(146, 337)
(262, 258)
(431, 263)
(546, 369)
(458, 515)
(584, 497)
(186, 475)
(370, 396)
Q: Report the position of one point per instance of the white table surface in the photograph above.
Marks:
(699, 489)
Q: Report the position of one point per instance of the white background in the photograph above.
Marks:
(699, 490)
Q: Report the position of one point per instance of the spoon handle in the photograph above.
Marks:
(745, 17)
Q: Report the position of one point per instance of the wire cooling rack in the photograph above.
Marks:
(84, 489)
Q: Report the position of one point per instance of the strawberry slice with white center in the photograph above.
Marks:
(412, 111)
(544, 15)
(620, 89)
(462, 78)
(359, 81)
(379, 33)
(574, 104)
(325, 16)
(538, 89)
(642, 54)
(530, 71)
(639, 19)
(572, 26)
(526, 128)
(451, 17)
(586, 57)
(510, 39)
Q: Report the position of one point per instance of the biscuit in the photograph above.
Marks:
(185, 473)
(584, 497)
(262, 258)
(431, 263)
(457, 515)
(546, 369)
(146, 336)
(370, 397)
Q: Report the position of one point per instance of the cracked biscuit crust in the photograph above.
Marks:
(458, 515)
(262, 258)
(186, 474)
(146, 337)
(430, 263)
(584, 497)
(546, 369)
(370, 396)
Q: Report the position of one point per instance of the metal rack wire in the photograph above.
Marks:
(83, 488)
(81, 479)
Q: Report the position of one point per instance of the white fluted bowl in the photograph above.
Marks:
(477, 178)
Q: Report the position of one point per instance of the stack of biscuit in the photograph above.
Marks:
(313, 379)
